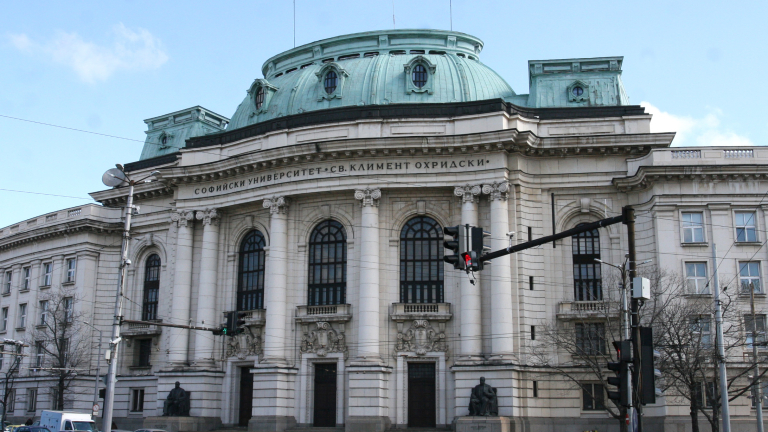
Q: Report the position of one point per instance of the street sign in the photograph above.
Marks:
(95, 409)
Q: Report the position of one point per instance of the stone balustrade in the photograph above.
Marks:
(324, 313)
(427, 311)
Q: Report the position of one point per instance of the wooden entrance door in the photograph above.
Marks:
(325, 395)
(422, 409)
(246, 396)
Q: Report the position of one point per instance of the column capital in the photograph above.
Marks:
(497, 191)
(368, 197)
(182, 217)
(467, 193)
(277, 204)
(209, 216)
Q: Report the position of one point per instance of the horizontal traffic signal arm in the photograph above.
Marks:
(159, 324)
(567, 233)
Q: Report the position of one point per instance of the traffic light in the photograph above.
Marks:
(235, 323)
(477, 247)
(621, 380)
(456, 245)
(648, 373)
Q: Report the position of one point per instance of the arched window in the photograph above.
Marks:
(419, 76)
(250, 275)
(151, 288)
(327, 264)
(421, 261)
(331, 82)
(587, 281)
(259, 98)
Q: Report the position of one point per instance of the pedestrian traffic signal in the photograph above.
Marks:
(621, 380)
(455, 245)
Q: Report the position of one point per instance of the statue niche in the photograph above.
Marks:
(177, 402)
(483, 401)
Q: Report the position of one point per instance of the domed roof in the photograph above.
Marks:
(371, 68)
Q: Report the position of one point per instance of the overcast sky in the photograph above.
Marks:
(105, 66)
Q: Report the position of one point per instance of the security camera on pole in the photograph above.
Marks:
(116, 177)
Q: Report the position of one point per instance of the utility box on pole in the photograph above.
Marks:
(641, 288)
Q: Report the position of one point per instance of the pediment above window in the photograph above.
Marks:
(261, 93)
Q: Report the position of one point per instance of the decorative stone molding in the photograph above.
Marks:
(341, 76)
(182, 217)
(410, 87)
(324, 339)
(467, 193)
(245, 345)
(497, 191)
(277, 205)
(368, 197)
(209, 217)
(269, 90)
(421, 338)
(582, 96)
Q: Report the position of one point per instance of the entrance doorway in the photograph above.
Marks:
(422, 409)
(325, 395)
(246, 396)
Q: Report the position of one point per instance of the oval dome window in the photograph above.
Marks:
(578, 91)
(419, 76)
(331, 80)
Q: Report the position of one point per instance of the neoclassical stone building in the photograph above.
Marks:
(318, 208)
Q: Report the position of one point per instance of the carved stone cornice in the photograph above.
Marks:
(323, 338)
(467, 193)
(245, 344)
(368, 197)
(497, 191)
(421, 338)
(182, 217)
(277, 204)
(209, 217)
(646, 177)
(70, 228)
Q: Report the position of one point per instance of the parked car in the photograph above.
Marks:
(149, 430)
(32, 429)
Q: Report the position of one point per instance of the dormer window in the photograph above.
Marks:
(419, 76)
(164, 140)
(259, 98)
(577, 91)
(331, 82)
(421, 73)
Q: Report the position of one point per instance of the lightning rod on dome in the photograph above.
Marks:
(393, 15)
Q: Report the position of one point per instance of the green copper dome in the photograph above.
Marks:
(371, 68)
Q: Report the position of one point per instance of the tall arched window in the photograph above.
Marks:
(587, 280)
(421, 261)
(151, 288)
(327, 264)
(250, 275)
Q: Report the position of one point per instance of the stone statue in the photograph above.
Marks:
(483, 401)
(177, 402)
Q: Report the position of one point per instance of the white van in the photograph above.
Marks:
(57, 421)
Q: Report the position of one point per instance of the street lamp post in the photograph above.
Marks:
(117, 177)
(98, 366)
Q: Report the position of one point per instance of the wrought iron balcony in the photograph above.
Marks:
(141, 330)
(587, 309)
(326, 313)
(425, 311)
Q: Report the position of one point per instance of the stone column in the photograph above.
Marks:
(501, 273)
(276, 279)
(182, 288)
(471, 318)
(206, 297)
(368, 318)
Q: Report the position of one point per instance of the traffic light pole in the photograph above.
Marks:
(629, 214)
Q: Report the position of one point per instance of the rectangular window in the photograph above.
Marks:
(764, 385)
(749, 276)
(693, 227)
(68, 312)
(145, 351)
(533, 332)
(535, 389)
(55, 405)
(696, 277)
(27, 272)
(530, 283)
(708, 389)
(31, 400)
(746, 228)
(47, 274)
(71, 268)
(2, 359)
(39, 354)
(8, 280)
(702, 327)
(592, 397)
(137, 400)
(43, 312)
(5, 319)
(590, 338)
(22, 316)
(64, 349)
(755, 325)
(530, 233)
(11, 401)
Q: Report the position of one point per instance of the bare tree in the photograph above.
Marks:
(11, 374)
(57, 345)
